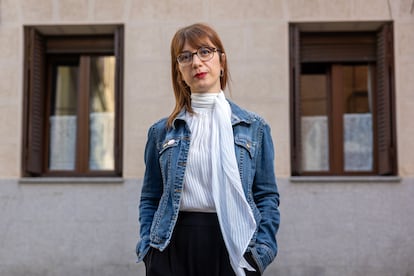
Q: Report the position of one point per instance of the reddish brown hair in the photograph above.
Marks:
(196, 35)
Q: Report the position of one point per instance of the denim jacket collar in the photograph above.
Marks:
(238, 115)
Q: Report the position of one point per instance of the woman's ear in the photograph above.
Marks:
(222, 58)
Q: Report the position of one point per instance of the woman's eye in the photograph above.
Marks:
(204, 51)
(184, 57)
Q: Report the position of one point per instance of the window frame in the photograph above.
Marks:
(329, 48)
(42, 45)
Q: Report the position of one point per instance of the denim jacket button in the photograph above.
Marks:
(169, 143)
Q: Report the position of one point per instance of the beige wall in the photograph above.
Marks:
(54, 228)
(404, 72)
(256, 40)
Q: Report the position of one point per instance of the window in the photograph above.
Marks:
(342, 100)
(73, 101)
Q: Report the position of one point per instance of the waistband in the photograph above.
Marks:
(197, 218)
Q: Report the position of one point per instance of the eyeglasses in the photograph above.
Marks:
(204, 53)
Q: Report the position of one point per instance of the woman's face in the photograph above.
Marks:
(202, 76)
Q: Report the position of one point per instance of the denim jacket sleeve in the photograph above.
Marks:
(151, 191)
(266, 198)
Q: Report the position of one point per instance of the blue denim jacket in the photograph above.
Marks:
(165, 160)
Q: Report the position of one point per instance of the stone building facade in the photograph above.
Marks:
(86, 224)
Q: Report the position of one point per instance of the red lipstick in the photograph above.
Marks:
(200, 75)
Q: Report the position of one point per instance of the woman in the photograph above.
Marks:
(209, 200)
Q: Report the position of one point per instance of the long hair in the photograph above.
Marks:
(195, 35)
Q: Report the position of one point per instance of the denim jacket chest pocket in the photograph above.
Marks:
(167, 154)
(246, 150)
(167, 144)
(245, 143)
(173, 153)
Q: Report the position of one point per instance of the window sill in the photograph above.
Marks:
(71, 180)
(345, 179)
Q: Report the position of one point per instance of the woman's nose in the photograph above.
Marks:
(196, 61)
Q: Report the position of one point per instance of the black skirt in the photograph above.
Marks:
(196, 249)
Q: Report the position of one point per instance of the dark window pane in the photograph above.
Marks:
(62, 150)
(102, 113)
(314, 122)
(357, 118)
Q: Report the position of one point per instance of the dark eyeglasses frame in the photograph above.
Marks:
(212, 49)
